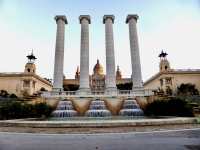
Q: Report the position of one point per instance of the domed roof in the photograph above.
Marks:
(98, 68)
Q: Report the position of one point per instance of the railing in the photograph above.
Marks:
(110, 93)
(182, 70)
(11, 72)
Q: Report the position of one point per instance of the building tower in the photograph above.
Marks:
(77, 75)
(118, 73)
(164, 63)
(30, 66)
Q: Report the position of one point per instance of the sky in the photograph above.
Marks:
(169, 25)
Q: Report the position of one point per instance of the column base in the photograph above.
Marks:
(83, 91)
(139, 91)
(137, 88)
(112, 91)
(57, 89)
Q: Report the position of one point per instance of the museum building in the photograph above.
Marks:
(15, 82)
(97, 80)
(172, 78)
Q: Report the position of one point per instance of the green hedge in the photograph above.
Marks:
(17, 110)
(171, 107)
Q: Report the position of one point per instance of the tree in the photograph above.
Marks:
(42, 89)
(4, 93)
(25, 93)
(125, 86)
(48, 80)
(13, 95)
(188, 88)
(169, 90)
(71, 87)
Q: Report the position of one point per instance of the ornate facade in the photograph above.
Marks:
(15, 82)
(97, 80)
(172, 78)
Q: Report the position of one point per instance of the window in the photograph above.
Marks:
(168, 80)
(26, 83)
(161, 82)
(33, 85)
(28, 70)
(17, 86)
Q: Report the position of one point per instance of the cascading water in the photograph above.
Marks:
(131, 108)
(97, 109)
(64, 109)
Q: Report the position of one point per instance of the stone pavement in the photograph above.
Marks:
(94, 130)
(157, 140)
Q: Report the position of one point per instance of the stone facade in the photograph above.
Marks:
(98, 78)
(172, 77)
(15, 82)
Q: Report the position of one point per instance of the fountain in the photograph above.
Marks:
(64, 109)
(97, 109)
(131, 108)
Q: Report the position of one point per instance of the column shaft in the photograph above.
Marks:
(59, 53)
(135, 55)
(110, 54)
(84, 52)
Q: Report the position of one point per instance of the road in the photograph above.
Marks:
(156, 140)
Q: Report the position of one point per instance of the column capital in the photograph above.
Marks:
(81, 17)
(112, 17)
(62, 17)
(131, 16)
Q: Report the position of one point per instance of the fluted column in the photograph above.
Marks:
(108, 20)
(135, 54)
(61, 20)
(84, 52)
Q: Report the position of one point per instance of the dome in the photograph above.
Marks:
(98, 68)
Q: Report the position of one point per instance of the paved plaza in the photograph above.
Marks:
(156, 140)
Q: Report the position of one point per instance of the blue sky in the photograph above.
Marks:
(171, 25)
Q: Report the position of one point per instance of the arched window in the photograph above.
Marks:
(28, 70)
(165, 67)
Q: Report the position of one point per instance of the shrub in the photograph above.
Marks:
(43, 89)
(4, 93)
(179, 107)
(42, 109)
(171, 107)
(16, 110)
(13, 95)
(28, 111)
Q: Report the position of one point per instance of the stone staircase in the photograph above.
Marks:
(195, 106)
(32, 99)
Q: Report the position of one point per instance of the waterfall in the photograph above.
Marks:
(64, 109)
(97, 109)
(131, 108)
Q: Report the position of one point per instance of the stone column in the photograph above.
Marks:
(135, 55)
(59, 53)
(108, 20)
(84, 53)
